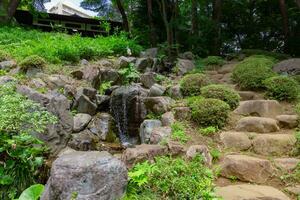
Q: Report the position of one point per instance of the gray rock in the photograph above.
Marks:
(143, 63)
(84, 105)
(7, 65)
(106, 75)
(295, 190)
(202, 150)
(148, 79)
(160, 134)
(235, 140)
(81, 120)
(141, 153)
(175, 92)
(89, 175)
(57, 81)
(103, 102)
(288, 164)
(88, 92)
(157, 90)
(84, 62)
(158, 105)
(152, 53)
(187, 55)
(37, 83)
(290, 66)
(7, 79)
(288, 121)
(146, 129)
(183, 66)
(56, 135)
(182, 113)
(125, 61)
(167, 119)
(257, 124)
(104, 127)
(78, 74)
(84, 141)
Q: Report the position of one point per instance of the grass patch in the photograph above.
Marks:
(20, 43)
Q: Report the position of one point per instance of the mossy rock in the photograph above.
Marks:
(222, 92)
(4, 56)
(191, 84)
(31, 62)
(250, 73)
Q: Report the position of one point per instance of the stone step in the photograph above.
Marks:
(235, 140)
(250, 192)
(274, 144)
(261, 108)
(246, 168)
(257, 124)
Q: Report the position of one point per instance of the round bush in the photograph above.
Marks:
(282, 88)
(250, 73)
(222, 92)
(213, 60)
(210, 112)
(191, 84)
(4, 56)
(33, 61)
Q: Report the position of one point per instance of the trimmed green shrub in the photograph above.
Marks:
(281, 88)
(191, 84)
(278, 56)
(250, 73)
(213, 60)
(170, 178)
(33, 61)
(210, 112)
(4, 56)
(222, 92)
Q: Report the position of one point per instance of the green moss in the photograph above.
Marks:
(282, 88)
(213, 61)
(4, 56)
(250, 73)
(33, 61)
(222, 92)
(210, 112)
(191, 84)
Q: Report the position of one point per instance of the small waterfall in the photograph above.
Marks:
(128, 111)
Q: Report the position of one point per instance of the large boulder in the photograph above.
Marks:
(146, 129)
(103, 126)
(183, 66)
(88, 175)
(128, 110)
(287, 164)
(167, 119)
(274, 144)
(7, 65)
(83, 141)
(158, 105)
(288, 121)
(152, 53)
(235, 140)
(261, 108)
(246, 168)
(201, 150)
(7, 79)
(157, 90)
(148, 79)
(160, 134)
(125, 61)
(144, 63)
(257, 124)
(56, 135)
(142, 152)
(290, 66)
(106, 75)
(85, 101)
(250, 192)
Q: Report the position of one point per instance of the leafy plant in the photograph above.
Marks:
(104, 86)
(178, 132)
(170, 178)
(21, 154)
(215, 154)
(129, 74)
(191, 84)
(250, 73)
(282, 88)
(213, 61)
(2, 72)
(208, 130)
(34, 192)
(210, 112)
(278, 56)
(33, 61)
(4, 56)
(222, 92)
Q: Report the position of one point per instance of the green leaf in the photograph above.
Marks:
(32, 193)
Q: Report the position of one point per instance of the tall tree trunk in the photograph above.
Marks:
(151, 24)
(217, 12)
(285, 21)
(298, 3)
(8, 9)
(194, 27)
(123, 14)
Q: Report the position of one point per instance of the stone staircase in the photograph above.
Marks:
(257, 148)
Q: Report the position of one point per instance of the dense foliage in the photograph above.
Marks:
(170, 178)
(209, 112)
(213, 61)
(21, 154)
(32, 61)
(282, 88)
(250, 73)
(3, 56)
(222, 92)
(178, 132)
(191, 84)
(57, 47)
